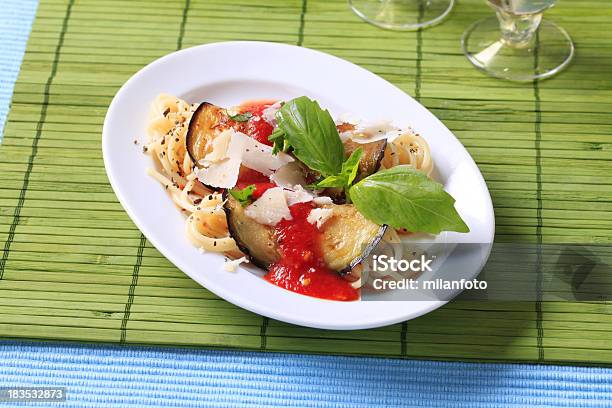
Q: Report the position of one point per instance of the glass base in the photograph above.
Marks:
(402, 14)
(550, 50)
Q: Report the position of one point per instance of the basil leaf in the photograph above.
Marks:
(241, 117)
(347, 174)
(312, 134)
(276, 147)
(330, 182)
(244, 195)
(276, 134)
(405, 198)
(279, 144)
(351, 165)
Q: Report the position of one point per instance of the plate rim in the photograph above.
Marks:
(223, 292)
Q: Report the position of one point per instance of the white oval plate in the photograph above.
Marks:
(231, 72)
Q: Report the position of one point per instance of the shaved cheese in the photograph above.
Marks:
(230, 149)
(269, 113)
(258, 156)
(374, 131)
(273, 205)
(289, 175)
(363, 138)
(270, 208)
(223, 171)
(223, 174)
(319, 216)
(231, 266)
(371, 128)
(323, 200)
(220, 146)
(368, 131)
(233, 111)
(297, 194)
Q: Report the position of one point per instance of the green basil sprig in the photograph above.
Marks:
(311, 132)
(243, 196)
(347, 174)
(280, 144)
(400, 197)
(405, 198)
(241, 117)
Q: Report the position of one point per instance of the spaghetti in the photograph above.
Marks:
(411, 149)
(206, 224)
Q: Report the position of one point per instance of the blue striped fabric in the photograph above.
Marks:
(98, 376)
(101, 376)
(16, 18)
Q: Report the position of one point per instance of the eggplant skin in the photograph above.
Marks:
(205, 121)
(255, 240)
(373, 152)
(371, 159)
(347, 237)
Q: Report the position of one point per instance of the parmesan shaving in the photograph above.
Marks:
(258, 156)
(289, 175)
(372, 131)
(369, 132)
(230, 150)
(371, 128)
(319, 216)
(231, 266)
(270, 208)
(323, 200)
(273, 205)
(269, 113)
(222, 164)
(297, 194)
(220, 146)
(234, 110)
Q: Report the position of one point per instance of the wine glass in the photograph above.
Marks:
(402, 14)
(527, 48)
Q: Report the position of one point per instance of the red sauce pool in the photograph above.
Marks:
(301, 268)
(256, 126)
(247, 176)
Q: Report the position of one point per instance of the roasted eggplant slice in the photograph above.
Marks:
(373, 154)
(203, 127)
(371, 159)
(254, 239)
(347, 238)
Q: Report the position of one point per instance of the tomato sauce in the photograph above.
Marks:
(301, 268)
(247, 177)
(256, 126)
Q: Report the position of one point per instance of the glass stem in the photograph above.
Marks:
(518, 29)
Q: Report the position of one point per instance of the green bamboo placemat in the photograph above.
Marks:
(74, 267)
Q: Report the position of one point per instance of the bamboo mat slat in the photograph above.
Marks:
(74, 267)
